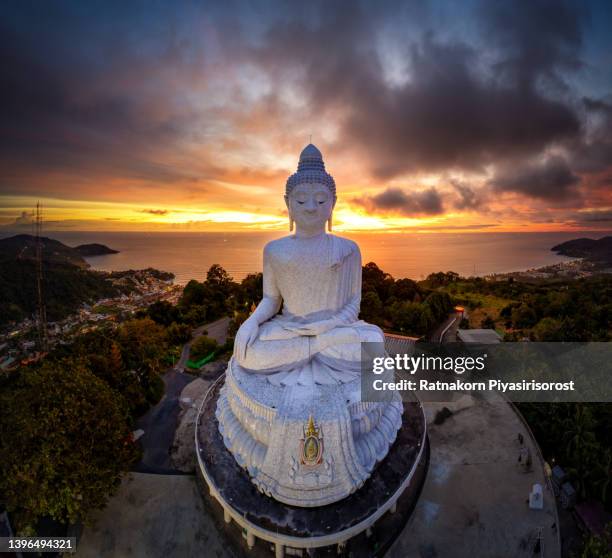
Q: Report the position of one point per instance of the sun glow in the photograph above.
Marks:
(16, 215)
(242, 217)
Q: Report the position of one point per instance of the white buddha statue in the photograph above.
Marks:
(290, 411)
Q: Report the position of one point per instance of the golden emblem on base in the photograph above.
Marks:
(311, 445)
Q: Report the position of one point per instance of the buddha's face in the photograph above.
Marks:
(310, 206)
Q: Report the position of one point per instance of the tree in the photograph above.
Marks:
(251, 289)
(143, 344)
(580, 447)
(202, 347)
(163, 313)
(194, 293)
(405, 289)
(102, 356)
(598, 546)
(371, 308)
(412, 317)
(440, 305)
(548, 329)
(236, 322)
(523, 316)
(178, 334)
(441, 279)
(115, 361)
(216, 276)
(196, 315)
(375, 279)
(64, 441)
(220, 290)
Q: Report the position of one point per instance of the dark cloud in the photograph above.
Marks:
(551, 179)
(396, 200)
(454, 110)
(26, 218)
(447, 118)
(155, 211)
(24, 222)
(538, 39)
(596, 216)
(79, 100)
(593, 152)
(468, 197)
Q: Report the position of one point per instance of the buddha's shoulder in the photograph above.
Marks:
(278, 245)
(343, 249)
(345, 243)
(281, 245)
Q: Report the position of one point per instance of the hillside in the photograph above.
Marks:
(65, 287)
(22, 247)
(67, 283)
(588, 248)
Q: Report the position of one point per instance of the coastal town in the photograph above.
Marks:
(19, 343)
(571, 269)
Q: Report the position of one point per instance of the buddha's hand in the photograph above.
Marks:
(312, 330)
(246, 335)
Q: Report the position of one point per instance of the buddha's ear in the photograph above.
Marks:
(287, 201)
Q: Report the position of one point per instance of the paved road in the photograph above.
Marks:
(450, 335)
(159, 424)
(160, 421)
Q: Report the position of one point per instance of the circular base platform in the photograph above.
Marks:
(359, 524)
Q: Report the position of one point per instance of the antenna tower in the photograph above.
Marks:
(41, 310)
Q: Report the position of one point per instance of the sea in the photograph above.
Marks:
(190, 254)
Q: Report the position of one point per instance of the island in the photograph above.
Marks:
(94, 249)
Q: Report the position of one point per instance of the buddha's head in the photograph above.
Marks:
(310, 193)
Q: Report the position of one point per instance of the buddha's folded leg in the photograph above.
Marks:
(364, 333)
(343, 360)
(267, 357)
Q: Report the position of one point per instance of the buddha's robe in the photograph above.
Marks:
(318, 281)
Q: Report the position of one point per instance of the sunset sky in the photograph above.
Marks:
(440, 116)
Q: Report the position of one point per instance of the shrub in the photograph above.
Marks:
(202, 347)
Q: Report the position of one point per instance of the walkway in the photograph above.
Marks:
(160, 421)
(474, 502)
